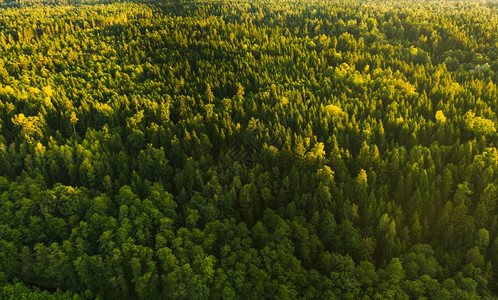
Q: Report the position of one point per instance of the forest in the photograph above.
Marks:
(249, 149)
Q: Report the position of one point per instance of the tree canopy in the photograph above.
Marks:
(248, 149)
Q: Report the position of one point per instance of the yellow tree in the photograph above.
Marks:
(73, 118)
(28, 125)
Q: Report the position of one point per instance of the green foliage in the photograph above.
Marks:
(248, 149)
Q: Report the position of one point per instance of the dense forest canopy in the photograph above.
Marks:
(248, 149)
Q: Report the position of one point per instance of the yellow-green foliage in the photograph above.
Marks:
(333, 110)
(479, 125)
(440, 116)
